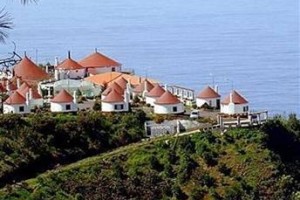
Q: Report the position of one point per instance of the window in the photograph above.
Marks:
(209, 103)
(21, 109)
(113, 69)
(245, 109)
(68, 107)
(175, 109)
(119, 107)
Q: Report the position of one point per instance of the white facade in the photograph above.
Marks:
(114, 107)
(212, 102)
(232, 108)
(72, 74)
(151, 100)
(100, 70)
(63, 107)
(36, 102)
(16, 108)
(168, 108)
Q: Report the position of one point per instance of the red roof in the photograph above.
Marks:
(98, 60)
(113, 97)
(27, 70)
(23, 86)
(208, 93)
(167, 98)
(69, 64)
(236, 98)
(113, 86)
(62, 97)
(140, 88)
(11, 85)
(15, 98)
(122, 82)
(24, 90)
(157, 91)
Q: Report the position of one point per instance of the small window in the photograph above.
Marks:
(21, 109)
(209, 103)
(245, 108)
(175, 109)
(113, 69)
(68, 107)
(119, 107)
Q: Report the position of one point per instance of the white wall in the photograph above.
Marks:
(110, 107)
(36, 102)
(73, 74)
(15, 108)
(150, 100)
(168, 109)
(99, 70)
(231, 108)
(200, 102)
(61, 107)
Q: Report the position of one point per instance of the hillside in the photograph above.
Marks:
(241, 164)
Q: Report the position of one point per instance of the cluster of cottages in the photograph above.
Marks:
(32, 87)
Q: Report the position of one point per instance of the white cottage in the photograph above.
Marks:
(97, 63)
(209, 96)
(16, 103)
(142, 88)
(168, 104)
(35, 99)
(115, 102)
(69, 68)
(154, 94)
(63, 102)
(234, 104)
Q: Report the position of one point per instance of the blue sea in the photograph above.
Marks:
(251, 46)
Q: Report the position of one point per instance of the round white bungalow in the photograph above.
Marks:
(16, 103)
(69, 68)
(63, 102)
(234, 104)
(97, 63)
(155, 93)
(168, 104)
(115, 102)
(210, 97)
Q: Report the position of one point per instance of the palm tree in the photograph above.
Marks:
(6, 21)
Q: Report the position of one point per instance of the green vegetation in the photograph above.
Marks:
(241, 164)
(42, 141)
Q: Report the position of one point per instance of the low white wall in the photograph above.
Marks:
(110, 107)
(231, 108)
(168, 109)
(73, 74)
(213, 104)
(15, 108)
(61, 107)
(100, 70)
(36, 102)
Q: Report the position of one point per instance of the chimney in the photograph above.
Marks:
(230, 98)
(145, 88)
(47, 69)
(18, 82)
(216, 88)
(27, 98)
(56, 62)
(30, 93)
(96, 50)
(69, 54)
(74, 97)
(166, 87)
(7, 85)
(140, 79)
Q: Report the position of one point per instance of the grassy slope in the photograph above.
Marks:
(248, 170)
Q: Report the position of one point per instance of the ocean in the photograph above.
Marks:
(251, 46)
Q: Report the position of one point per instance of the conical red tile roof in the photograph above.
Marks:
(69, 64)
(113, 86)
(113, 97)
(27, 70)
(23, 86)
(236, 98)
(140, 88)
(12, 86)
(98, 60)
(15, 98)
(208, 93)
(122, 82)
(167, 98)
(157, 91)
(62, 97)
